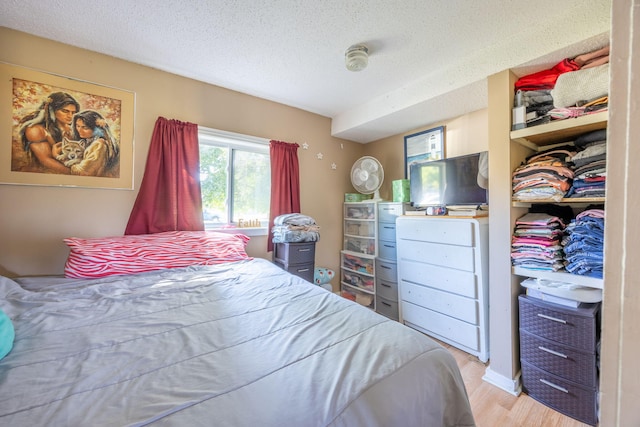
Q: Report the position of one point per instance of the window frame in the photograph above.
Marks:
(234, 141)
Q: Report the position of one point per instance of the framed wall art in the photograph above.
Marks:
(423, 146)
(59, 131)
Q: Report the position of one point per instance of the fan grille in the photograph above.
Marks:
(367, 175)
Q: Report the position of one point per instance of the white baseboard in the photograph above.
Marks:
(511, 386)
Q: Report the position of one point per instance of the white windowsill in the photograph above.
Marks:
(249, 231)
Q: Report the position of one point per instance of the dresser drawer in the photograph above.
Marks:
(387, 308)
(443, 326)
(564, 396)
(359, 228)
(387, 212)
(447, 279)
(574, 327)
(452, 305)
(386, 270)
(559, 360)
(458, 257)
(387, 231)
(387, 289)
(304, 271)
(362, 298)
(358, 280)
(295, 253)
(360, 263)
(449, 231)
(387, 249)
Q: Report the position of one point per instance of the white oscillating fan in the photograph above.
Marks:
(367, 176)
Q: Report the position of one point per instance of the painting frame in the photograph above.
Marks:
(427, 145)
(15, 82)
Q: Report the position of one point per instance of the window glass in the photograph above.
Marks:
(235, 179)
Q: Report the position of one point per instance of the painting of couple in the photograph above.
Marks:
(62, 130)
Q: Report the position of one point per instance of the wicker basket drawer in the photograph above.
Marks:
(575, 327)
(559, 360)
(564, 396)
(295, 253)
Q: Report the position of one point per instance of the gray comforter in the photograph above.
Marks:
(241, 344)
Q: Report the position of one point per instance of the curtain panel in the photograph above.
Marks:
(169, 198)
(285, 182)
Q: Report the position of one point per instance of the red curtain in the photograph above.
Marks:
(285, 182)
(169, 198)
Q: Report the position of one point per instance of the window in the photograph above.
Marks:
(235, 179)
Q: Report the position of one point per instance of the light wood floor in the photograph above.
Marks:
(493, 407)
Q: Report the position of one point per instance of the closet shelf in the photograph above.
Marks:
(559, 131)
(565, 201)
(560, 276)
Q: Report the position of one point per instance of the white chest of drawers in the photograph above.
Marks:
(443, 279)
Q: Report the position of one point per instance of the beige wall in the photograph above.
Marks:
(35, 219)
(463, 135)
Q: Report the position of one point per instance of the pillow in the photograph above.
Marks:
(7, 334)
(322, 275)
(101, 257)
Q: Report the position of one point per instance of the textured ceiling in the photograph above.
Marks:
(428, 59)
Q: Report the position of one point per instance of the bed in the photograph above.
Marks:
(233, 343)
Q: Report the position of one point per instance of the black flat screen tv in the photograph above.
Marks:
(454, 181)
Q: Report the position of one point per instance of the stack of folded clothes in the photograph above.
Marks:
(536, 242)
(571, 88)
(295, 228)
(584, 243)
(544, 176)
(589, 165)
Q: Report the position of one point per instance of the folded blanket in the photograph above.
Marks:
(581, 85)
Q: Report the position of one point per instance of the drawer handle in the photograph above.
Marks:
(385, 303)
(555, 353)
(388, 246)
(555, 319)
(384, 266)
(388, 228)
(302, 270)
(557, 387)
(385, 285)
(304, 250)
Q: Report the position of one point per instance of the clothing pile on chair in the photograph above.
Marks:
(572, 88)
(295, 228)
(589, 165)
(537, 242)
(546, 175)
(584, 243)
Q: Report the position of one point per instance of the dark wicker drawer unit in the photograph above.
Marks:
(558, 355)
(564, 396)
(559, 360)
(296, 258)
(295, 253)
(575, 327)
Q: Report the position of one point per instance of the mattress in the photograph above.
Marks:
(237, 344)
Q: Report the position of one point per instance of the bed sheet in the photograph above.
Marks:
(240, 344)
